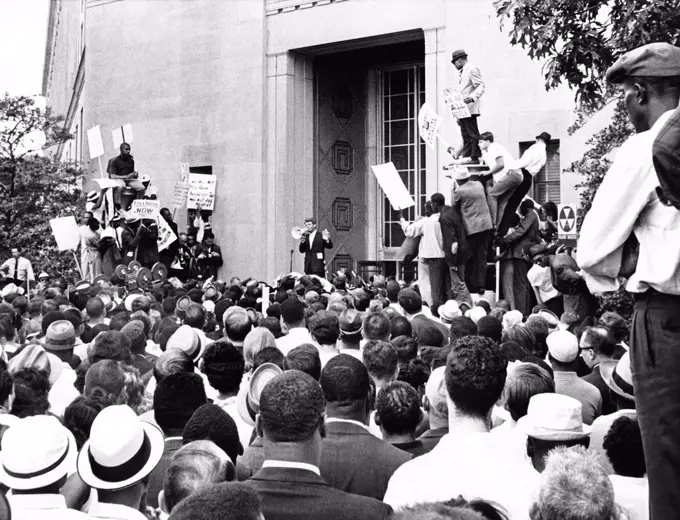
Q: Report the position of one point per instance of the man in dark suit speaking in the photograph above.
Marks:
(313, 244)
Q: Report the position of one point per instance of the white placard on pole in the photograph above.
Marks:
(394, 188)
(428, 124)
(179, 194)
(66, 232)
(94, 142)
(201, 191)
(145, 209)
(184, 171)
(166, 235)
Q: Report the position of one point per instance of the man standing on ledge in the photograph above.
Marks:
(313, 245)
(627, 214)
(471, 86)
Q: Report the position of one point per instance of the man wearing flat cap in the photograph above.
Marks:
(631, 232)
(472, 88)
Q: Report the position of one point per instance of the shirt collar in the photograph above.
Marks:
(47, 501)
(350, 421)
(287, 464)
(117, 511)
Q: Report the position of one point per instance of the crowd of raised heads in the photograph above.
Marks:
(311, 399)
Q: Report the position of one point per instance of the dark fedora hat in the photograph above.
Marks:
(545, 136)
(458, 53)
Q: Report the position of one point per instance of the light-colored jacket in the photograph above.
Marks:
(472, 85)
(471, 199)
(431, 243)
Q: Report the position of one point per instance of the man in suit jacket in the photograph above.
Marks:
(291, 424)
(422, 326)
(209, 257)
(314, 245)
(469, 197)
(353, 459)
(472, 89)
(597, 346)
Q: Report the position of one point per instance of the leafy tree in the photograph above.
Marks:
(579, 40)
(34, 188)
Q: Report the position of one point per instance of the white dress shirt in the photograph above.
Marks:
(633, 495)
(42, 507)
(473, 465)
(63, 392)
(490, 156)
(432, 243)
(533, 159)
(102, 510)
(626, 203)
(294, 338)
(286, 464)
(24, 269)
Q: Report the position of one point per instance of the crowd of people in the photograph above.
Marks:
(314, 398)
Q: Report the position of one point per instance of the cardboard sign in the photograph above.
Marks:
(166, 235)
(179, 194)
(428, 124)
(201, 191)
(145, 209)
(109, 183)
(453, 98)
(184, 171)
(94, 142)
(66, 232)
(566, 224)
(394, 188)
(122, 134)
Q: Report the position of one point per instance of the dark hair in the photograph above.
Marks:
(623, 445)
(111, 344)
(272, 323)
(486, 136)
(616, 326)
(401, 327)
(194, 316)
(31, 388)
(600, 340)
(345, 379)
(361, 300)
(20, 303)
(119, 320)
(176, 399)
(521, 335)
(171, 362)
(429, 337)
(6, 382)
(79, 416)
(540, 363)
(293, 311)
(415, 373)
(304, 358)
(550, 209)
(325, 328)
(47, 319)
(392, 289)
(513, 351)
(490, 327)
(438, 198)
(292, 407)
(223, 364)
(398, 408)
(524, 382)
(211, 423)
(236, 501)
(377, 326)
(539, 328)
(488, 510)
(439, 357)
(407, 348)
(269, 355)
(461, 326)
(475, 375)
(381, 359)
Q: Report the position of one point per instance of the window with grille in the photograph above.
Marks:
(547, 181)
(403, 92)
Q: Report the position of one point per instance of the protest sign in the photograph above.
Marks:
(179, 194)
(428, 124)
(453, 98)
(122, 134)
(394, 188)
(109, 183)
(144, 209)
(166, 235)
(184, 171)
(66, 232)
(201, 191)
(94, 142)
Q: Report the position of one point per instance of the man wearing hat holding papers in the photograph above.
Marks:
(630, 232)
(472, 88)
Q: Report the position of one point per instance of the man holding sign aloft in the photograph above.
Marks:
(313, 246)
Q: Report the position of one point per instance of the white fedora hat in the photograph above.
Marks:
(554, 417)
(618, 376)
(36, 452)
(121, 451)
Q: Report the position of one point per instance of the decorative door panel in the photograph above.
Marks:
(341, 166)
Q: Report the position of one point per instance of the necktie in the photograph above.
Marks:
(16, 269)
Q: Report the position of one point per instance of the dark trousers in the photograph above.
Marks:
(515, 284)
(439, 281)
(475, 269)
(470, 133)
(655, 361)
(514, 201)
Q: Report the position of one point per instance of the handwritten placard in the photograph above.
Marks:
(66, 232)
(428, 124)
(179, 194)
(453, 98)
(166, 235)
(184, 171)
(144, 209)
(201, 191)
